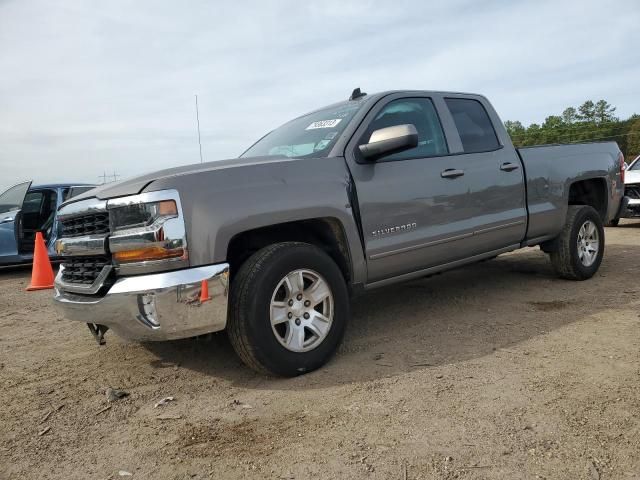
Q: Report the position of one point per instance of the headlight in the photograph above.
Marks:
(147, 231)
(141, 214)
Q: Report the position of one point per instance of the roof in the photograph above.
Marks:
(63, 185)
(369, 97)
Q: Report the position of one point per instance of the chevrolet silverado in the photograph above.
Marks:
(358, 195)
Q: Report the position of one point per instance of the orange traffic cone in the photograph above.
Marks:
(204, 291)
(42, 273)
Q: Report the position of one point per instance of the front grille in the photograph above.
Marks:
(83, 270)
(89, 224)
(632, 191)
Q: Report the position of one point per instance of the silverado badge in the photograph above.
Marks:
(394, 229)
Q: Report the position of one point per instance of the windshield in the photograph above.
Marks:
(73, 191)
(311, 135)
(635, 165)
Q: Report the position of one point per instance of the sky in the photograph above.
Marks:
(88, 87)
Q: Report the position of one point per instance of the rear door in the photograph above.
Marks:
(494, 174)
(11, 201)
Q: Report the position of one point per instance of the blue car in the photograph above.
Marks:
(27, 209)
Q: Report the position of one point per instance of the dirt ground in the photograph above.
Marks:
(496, 371)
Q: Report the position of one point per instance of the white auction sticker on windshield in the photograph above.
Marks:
(324, 124)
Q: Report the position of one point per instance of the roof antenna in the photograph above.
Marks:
(356, 94)
(198, 121)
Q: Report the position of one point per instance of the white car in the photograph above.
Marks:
(631, 192)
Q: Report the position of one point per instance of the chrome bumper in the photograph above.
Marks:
(160, 306)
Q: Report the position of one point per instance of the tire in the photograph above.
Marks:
(566, 258)
(614, 223)
(260, 285)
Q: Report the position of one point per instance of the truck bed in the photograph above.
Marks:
(550, 170)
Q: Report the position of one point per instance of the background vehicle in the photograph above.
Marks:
(358, 195)
(631, 207)
(27, 209)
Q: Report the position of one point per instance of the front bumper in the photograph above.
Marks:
(160, 306)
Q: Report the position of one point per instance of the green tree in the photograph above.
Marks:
(534, 135)
(515, 128)
(604, 112)
(589, 122)
(569, 115)
(553, 121)
(587, 111)
(553, 128)
(633, 141)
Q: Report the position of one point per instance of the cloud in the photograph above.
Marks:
(95, 86)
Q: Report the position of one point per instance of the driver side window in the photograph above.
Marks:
(421, 113)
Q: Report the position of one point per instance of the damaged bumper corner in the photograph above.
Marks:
(161, 306)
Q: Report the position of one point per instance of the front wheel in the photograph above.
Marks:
(289, 309)
(580, 245)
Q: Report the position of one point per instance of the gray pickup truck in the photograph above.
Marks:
(358, 195)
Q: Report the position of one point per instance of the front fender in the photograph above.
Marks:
(220, 204)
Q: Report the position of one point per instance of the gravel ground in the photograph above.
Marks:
(497, 371)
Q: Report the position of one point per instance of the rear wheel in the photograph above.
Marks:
(289, 309)
(580, 245)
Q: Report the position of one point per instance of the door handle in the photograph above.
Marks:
(451, 173)
(509, 167)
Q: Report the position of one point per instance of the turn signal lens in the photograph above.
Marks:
(150, 253)
(167, 208)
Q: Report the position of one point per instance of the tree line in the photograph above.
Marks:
(591, 121)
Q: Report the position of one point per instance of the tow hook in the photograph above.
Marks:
(98, 332)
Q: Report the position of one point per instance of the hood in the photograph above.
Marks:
(136, 185)
(631, 176)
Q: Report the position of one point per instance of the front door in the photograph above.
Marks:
(415, 206)
(10, 206)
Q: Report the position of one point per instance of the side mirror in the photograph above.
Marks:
(386, 141)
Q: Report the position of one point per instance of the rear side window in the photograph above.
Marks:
(474, 126)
